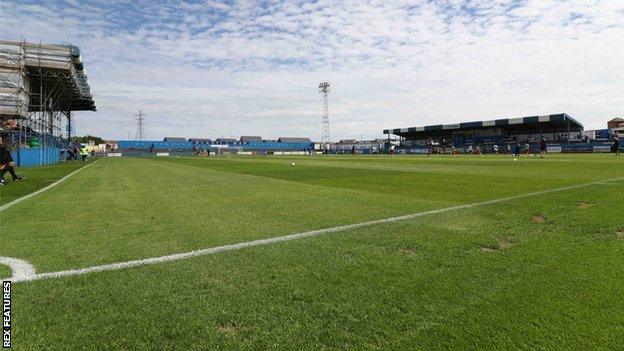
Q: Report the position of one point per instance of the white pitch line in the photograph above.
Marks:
(243, 245)
(35, 193)
(20, 269)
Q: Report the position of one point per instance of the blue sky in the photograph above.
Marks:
(231, 68)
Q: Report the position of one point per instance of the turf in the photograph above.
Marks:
(5, 271)
(542, 272)
(36, 178)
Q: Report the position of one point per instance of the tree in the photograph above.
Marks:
(87, 138)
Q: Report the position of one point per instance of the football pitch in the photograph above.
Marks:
(335, 252)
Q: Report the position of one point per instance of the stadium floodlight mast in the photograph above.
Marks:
(140, 125)
(325, 137)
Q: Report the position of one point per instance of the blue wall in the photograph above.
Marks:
(172, 145)
(36, 156)
(131, 144)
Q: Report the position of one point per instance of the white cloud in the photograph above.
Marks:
(207, 68)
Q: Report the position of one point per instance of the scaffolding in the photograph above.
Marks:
(40, 86)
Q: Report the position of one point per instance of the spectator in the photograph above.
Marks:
(7, 164)
(84, 152)
(9, 124)
(71, 155)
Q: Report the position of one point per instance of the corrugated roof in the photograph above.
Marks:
(294, 140)
(554, 118)
(247, 138)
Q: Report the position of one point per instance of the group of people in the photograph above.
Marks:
(74, 151)
(201, 152)
(518, 149)
(525, 149)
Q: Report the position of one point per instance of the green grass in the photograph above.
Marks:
(36, 178)
(489, 277)
(5, 271)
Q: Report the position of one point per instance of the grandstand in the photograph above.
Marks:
(562, 132)
(40, 86)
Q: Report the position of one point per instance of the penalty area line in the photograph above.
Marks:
(291, 237)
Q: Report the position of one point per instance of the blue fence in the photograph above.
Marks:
(187, 145)
(36, 156)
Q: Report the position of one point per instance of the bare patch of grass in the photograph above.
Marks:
(539, 218)
(584, 205)
(504, 244)
(229, 328)
(407, 250)
(488, 249)
(501, 244)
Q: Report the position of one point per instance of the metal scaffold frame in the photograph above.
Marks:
(40, 86)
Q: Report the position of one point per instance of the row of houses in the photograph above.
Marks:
(242, 140)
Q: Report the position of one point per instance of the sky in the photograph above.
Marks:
(228, 68)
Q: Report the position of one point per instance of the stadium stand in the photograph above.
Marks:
(40, 86)
(562, 132)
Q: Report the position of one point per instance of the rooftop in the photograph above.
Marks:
(560, 118)
(55, 70)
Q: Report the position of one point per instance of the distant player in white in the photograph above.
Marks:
(496, 149)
